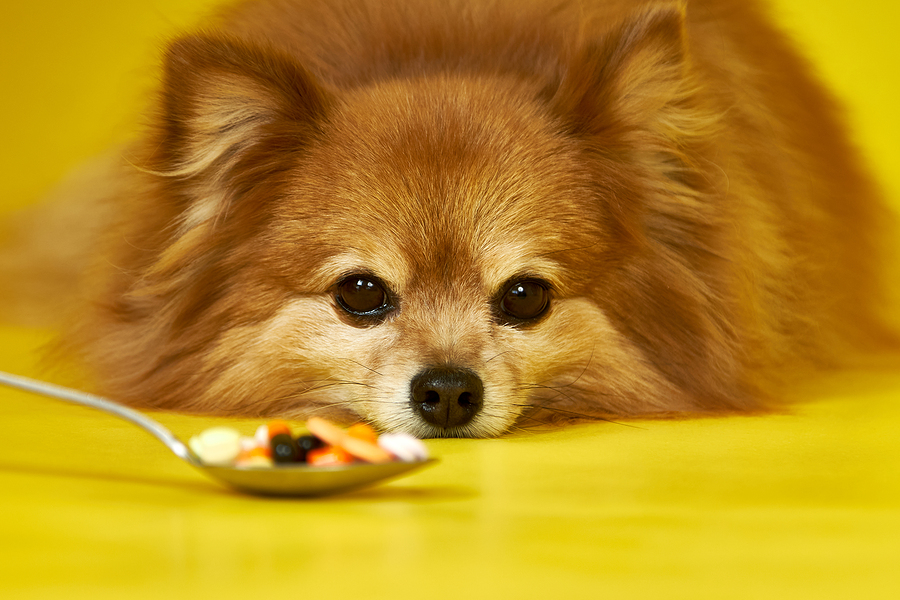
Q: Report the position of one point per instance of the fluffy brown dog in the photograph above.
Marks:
(446, 216)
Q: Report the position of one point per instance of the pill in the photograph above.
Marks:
(254, 451)
(216, 446)
(277, 427)
(403, 446)
(335, 436)
(305, 443)
(328, 456)
(284, 448)
(262, 435)
(363, 432)
(248, 444)
(254, 460)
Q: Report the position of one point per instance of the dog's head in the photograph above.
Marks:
(438, 252)
(431, 236)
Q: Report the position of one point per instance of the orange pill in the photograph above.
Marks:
(276, 427)
(362, 431)
(257, 451)
(328, 455)
(333, 435)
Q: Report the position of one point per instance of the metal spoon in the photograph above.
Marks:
(299, 480)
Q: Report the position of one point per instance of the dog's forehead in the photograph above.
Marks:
(448, 180)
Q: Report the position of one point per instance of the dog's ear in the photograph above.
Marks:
(633, 96)
(222, 96)
(630, 78)
(231, 116)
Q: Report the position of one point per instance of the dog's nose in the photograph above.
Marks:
(447, 397)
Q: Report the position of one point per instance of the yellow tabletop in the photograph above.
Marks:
(798, 505)
(804, 504)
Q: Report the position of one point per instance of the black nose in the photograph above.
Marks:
(447, 397)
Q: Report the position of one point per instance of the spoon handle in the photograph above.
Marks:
(76, 397)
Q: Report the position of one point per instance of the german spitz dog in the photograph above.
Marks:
(455, 217)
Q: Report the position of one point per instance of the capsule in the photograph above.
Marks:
(284, 449)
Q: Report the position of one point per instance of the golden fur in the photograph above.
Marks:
(668, 171)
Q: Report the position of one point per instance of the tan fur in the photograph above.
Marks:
(670, 170)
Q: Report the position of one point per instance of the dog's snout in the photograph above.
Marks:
(447, 397)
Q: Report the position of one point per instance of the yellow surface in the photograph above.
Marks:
(791, 506)
(800, 505)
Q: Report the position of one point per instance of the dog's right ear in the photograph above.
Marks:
(222, 96)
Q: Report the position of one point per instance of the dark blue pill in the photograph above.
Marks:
(284, 448)
(305, 443)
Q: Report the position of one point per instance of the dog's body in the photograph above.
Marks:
(444, 216)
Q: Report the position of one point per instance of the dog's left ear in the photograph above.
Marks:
(629, 78)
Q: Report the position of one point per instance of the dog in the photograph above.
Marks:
(457, 217)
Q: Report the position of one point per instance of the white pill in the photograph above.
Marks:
(217, 446)
(262, 436)
(248, 443)
(404, 446)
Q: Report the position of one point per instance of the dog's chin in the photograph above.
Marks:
(421, 429)
(483, 425)
(475, 429)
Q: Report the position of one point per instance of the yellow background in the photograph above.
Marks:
(799, 505)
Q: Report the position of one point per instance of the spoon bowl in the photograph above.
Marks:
(289, 480)
(301, 480)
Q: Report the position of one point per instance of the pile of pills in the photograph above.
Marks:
(326, 444)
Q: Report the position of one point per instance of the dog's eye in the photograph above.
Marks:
(525, 300)
(361, 295)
